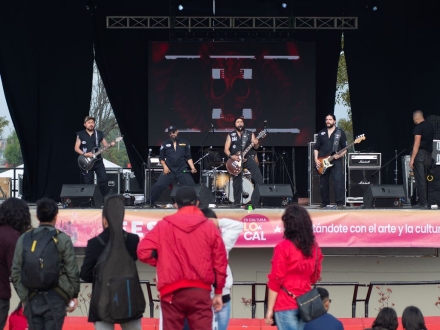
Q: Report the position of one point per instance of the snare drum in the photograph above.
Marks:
(248, 189)
(221, 178)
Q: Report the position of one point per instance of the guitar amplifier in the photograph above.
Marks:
(314, 190)
(364, 160)
(436, 151)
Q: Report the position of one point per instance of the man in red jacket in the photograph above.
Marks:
(190, 257)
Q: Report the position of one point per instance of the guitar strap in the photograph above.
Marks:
(244, 139)
(96, 139)
(338, 134)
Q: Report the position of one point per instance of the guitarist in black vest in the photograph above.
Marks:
(87, 141)
(330, 140)
(238, 140)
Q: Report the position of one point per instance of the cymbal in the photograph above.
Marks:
(215, 164)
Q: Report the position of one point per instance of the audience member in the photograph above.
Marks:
(386, 320)
(15, 219)
(296, 264)
(326, 321)
(46, 308)
(95, 247)
(190, 257)
(412, 319)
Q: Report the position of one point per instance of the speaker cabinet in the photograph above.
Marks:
(383, 196)
(275, 195)
(204, 195)
(81, 195)
(114, 181)
(358, 181)
(434, 187)
(314, 190)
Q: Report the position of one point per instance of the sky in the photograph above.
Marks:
(340, 111)
(4, 112)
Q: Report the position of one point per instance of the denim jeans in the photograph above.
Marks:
(131, 325)
(4, 309)
(222, 317)
(289, 320)
(46, 311)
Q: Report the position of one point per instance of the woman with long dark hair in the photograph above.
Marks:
(15, 219)
(412, 319)
(386, 320)
(296, 264)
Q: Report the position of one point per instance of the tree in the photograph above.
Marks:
(13, 151)
(105, 119)
(3, 123)
(342, 88)
(100, 106)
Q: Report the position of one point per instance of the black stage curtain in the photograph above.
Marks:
(393, 70)
(46, 58)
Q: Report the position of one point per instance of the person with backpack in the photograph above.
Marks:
(95, 254)
(188, 251)
(15, 219)
(45, 271)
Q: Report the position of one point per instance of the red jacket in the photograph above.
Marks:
(187, 250)
(291, 269)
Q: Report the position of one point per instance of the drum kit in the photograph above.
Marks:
(220, 182)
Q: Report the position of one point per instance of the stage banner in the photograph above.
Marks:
(334, 228)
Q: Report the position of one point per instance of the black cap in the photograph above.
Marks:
(88, 118)
(185, 196)
(172, 128)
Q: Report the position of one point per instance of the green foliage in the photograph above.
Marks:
(101, 109)
(13, 151)
(3, 123)
(342, 89)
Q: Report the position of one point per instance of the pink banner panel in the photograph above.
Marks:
(264, 228)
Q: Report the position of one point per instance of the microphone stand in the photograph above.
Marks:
(386, 165)
(149, 178)
(201, 152)
(272, 168)
(143, 170)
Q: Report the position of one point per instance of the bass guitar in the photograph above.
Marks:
(234, 166)
(86, 163)
(325, 162)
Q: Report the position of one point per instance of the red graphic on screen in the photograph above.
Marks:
(199, 85)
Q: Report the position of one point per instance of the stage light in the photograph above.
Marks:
(284, 5)
(180, 7)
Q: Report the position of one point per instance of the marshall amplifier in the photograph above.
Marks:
(436, 151)
(359, 179)
(364, 160)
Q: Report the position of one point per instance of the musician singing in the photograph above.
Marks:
(87, 141)
(330, 140)
(237, 141)
(175, 156)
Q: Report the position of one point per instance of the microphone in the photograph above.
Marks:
(265, 124)
(212, 128)
(149, 152)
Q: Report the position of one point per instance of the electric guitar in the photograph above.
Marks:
(326, 161)
(86, 163)
(234, 166)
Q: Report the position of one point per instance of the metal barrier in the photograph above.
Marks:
(397, 283)
(254, 303)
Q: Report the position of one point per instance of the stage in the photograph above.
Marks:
(350, 227)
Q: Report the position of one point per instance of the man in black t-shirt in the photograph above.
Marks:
(175, 156)
(421, 155)
(330, 140)
(233, 144)
(88, 141)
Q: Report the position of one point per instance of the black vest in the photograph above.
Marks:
(236, 142)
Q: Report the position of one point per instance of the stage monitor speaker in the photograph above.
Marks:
(383, 196)
(361, 178)
(81, 195)
(275, 195)
(204, 195)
